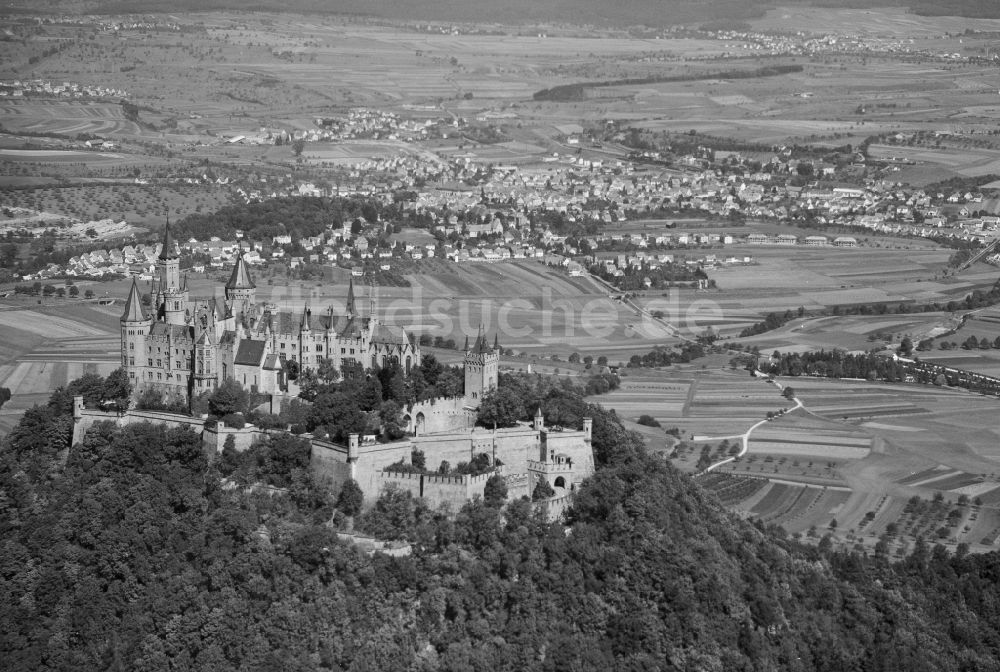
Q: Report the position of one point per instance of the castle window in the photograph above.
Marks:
(131, 374)
(177, 364)
(159, 362)
(343, 351)
(150, 375)
(282, 346)
(293, 346)
(131, 361)
(131, 346)
(159, 376)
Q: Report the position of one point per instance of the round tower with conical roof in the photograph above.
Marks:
(135, 326)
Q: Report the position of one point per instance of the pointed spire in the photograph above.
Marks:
(350, 297)
(496, 341)
(184, 283)
(240, 277)
(133, 305)
(170, 249)
(466, 342)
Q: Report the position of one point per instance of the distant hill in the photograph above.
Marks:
(520, 12)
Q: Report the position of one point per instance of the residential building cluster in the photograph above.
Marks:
(18, 88)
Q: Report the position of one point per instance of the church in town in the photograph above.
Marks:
(183, 346)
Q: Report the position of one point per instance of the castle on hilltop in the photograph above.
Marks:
(187, 346)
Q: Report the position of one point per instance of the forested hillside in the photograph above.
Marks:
(125, 553)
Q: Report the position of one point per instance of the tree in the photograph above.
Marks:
(89, 294)
(648, 420)
(542, 491)
(297, 146)
(351, 498)
(906, 347)
(229, 397)
(495, 491)
(788, 392)
(500, 407)
(117, 389)
(74, 291)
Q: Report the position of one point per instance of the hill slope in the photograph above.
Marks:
(130, 556)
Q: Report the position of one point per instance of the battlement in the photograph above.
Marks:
(550, 467)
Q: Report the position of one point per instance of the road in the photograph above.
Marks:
(745, 436)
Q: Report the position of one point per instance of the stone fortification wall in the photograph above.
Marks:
(84, 419)
(372, 459)
(329, 460)
(214, 438)
(441, 414)
(511, 446)
(576, 446)
(436, 490)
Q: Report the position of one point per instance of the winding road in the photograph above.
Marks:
(745, 436)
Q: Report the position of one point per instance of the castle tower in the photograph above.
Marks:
(241, 292)
(135, 327)
(350, 299)
(173, 296)
(482, 367)
(373, 305)
(539, 423)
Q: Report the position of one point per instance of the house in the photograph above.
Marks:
(845, 241)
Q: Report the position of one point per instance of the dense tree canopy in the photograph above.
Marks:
(131, 551)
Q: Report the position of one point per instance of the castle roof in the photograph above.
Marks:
(240, 278)
(384, 333)
(133, 306)
(482, 344)
(176, 332)
(170, 249)
(250, 353)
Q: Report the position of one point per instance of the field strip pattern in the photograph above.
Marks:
(936, 478)
(47, 326)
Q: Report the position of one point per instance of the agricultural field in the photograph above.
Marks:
(143, 207)
(856, 453)
(45, 346)
(955, 349)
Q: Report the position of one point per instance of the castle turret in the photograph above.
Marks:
(373, 305)
(135, 327)
(350, 299)
(482, 368)
(174, 298)
(241, 292)
(539, 423)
